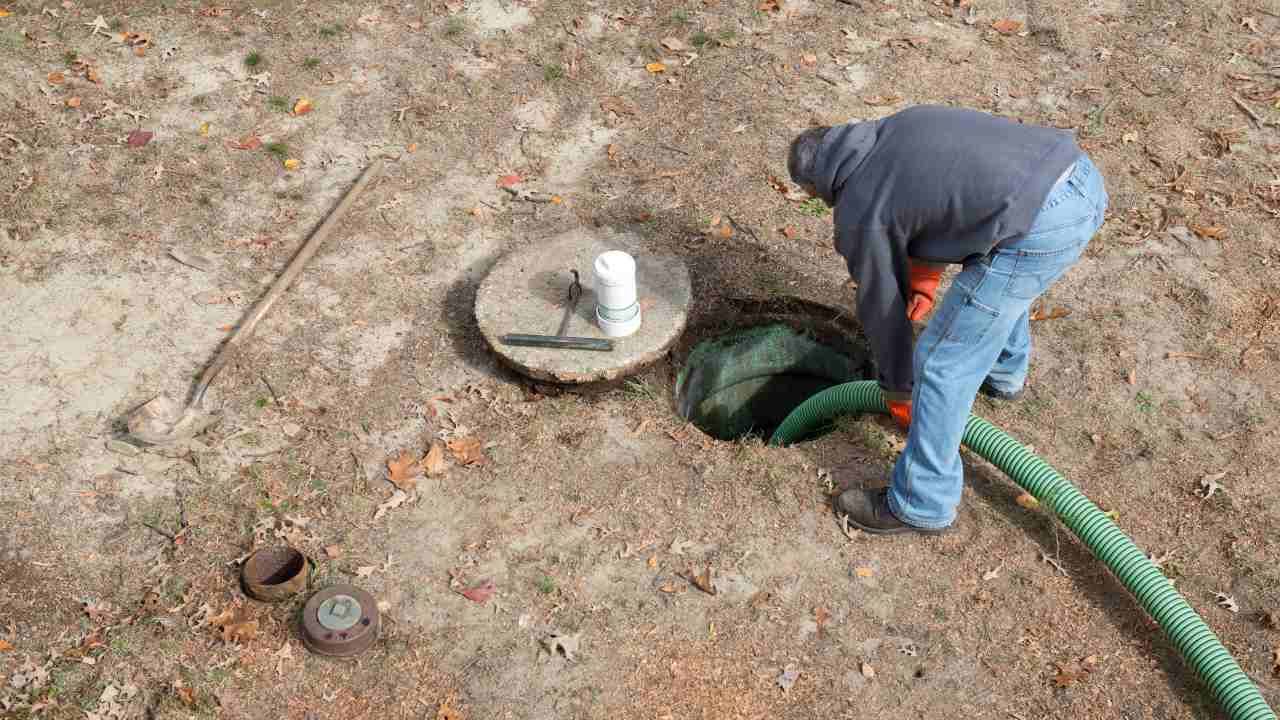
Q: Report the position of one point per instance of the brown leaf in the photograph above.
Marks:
(467, 451)
(433, 463)
(480, 593)
(655, 68)
(760, 599)
(616, 105)
(674, 44)
(788, 232)
(864, 572)
(821, 616)
(187, 695)
(398, 498)
(868, 672)
(5, 646)
(444, 712)
(333, 552)
(1132, 377)
(303, 106)
(507, 181)
(1071, 673)
(235, 625)
(612, 152)
(1275, 661)
(139, 138)
(1028, 501)
(1040, 313)
(704, 581)
(248, 142)
(1006, 27)
(404, 471)
(73, 102)
(809, 59)
(56, 78)
(770, 6)
(1210, 232)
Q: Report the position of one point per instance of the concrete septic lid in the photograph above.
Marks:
(527, 292)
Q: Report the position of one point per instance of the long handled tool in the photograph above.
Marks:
(161, 421)
(560, 340)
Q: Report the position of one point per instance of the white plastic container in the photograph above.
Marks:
(617, 309)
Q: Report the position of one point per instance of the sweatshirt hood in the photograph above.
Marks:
(842, 151)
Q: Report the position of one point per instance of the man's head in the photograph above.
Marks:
(802, 159)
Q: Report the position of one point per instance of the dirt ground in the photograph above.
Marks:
(163, 131)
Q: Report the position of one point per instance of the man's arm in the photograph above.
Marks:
(878, 264)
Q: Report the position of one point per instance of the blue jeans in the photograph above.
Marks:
(980, 332)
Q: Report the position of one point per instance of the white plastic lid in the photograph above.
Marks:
(615, 267)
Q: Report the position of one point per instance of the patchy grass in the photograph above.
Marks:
(311, 63)
(253, 59)
(814, 207)
(552, 72)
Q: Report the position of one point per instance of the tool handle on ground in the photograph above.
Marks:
(245, 330)
(558, 341)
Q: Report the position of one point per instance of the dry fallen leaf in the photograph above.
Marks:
(139, 138)
(788, 232)
(5, 646)
(4, 13)
(1028, 501)
(809, 59)
(1209, 484)
(73, 102)
(1006, 27)
(398, 498)
(333, 552)
(770, 6)
(292, 164)
(704, 581)
(248, 142)
(303, 106)
(404, 471)
(1227, 602)
(444, 712)
(674, 44)
(1070, 673)
(507, 181)
(788, 677)
(365, 571)
(821, 616)
(868, 672)
(467, 451)
(1209, 232)
(864, 572)
(656, 67)
(433, 463)
(235, 625)
(480, 593)
(57, 78)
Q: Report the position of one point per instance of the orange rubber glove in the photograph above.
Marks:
(924, 280)
(901, 412)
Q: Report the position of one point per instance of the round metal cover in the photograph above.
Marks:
(341, 621)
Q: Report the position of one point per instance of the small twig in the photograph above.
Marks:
(1185, 355)
(743, 228)
(412, 245)
(274, 398)
(674, 149)
(1257, 120)
(158, 531)
(490, 205)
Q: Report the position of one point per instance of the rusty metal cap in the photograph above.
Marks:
(340, 621)
(275, 573)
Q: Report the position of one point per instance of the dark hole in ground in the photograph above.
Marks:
(746, 381)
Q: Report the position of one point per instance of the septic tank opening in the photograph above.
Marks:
(747, 381)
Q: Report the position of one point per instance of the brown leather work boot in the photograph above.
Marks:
(868, 510)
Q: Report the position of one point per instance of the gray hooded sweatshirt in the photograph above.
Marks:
(934, 184)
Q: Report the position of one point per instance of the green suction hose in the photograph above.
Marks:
(1230, 686)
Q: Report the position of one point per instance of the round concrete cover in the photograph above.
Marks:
(527, 292)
